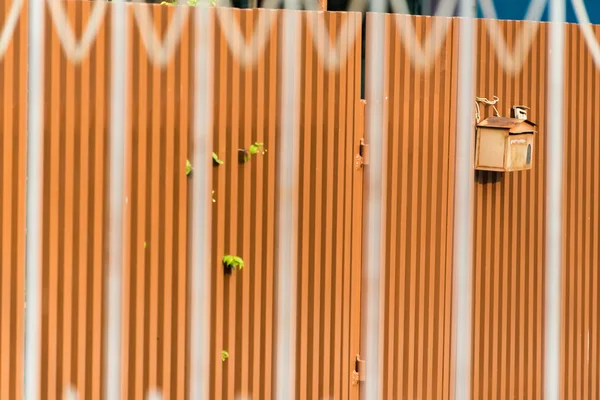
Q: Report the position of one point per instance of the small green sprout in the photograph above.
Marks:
(188, 167)
(216, 159)
(224, 355)
(145, 245)
(232, 262)
(255, 148)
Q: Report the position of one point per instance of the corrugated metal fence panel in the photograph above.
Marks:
(13, 125)
(580, 336)
(330, 129)
(158, 217)
(509, 215)
(246, 109)
(247, 100)
(510, 231)
(509, 225)
(76, 104)
(419, 127)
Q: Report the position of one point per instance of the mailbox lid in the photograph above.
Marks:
(511, 125)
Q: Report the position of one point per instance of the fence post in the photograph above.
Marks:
(117, 203)
(556, 48)
(33, 245)
(463, 211)
(374, 190)
(288, 207)
(200, 269)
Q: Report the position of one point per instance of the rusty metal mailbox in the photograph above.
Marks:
(504, 144)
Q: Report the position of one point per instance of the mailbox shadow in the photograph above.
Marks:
(484, 177)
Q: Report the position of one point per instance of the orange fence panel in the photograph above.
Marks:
(246, 104)
(75, 194)
(419, 136)
(509, 221)
(508, 247)
(580, 335)
(418, 142)
(246, 101)
(13, 162)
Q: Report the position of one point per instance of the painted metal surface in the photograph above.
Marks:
(418, 141)
(246, 108)
(580, 332)
(509, 221)
(13, 158)
(509, 226)
(418, 167)
(328, 199)
(74, 210)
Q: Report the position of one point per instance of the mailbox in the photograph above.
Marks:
(504, 144)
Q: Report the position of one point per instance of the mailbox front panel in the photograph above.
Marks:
(519, 152)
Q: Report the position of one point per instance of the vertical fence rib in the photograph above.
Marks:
(33, 256)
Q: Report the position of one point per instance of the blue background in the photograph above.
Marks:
(516, 9)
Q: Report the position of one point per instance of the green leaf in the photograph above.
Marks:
(213, 2)
(192, 3)
(228, 260)
(145, 245)
(238, 262)
(224, 355)
(188, 167)
(216, 158)
(256, 147)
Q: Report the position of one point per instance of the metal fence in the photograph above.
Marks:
(403, 256)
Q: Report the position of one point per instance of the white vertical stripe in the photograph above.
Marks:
(35, 116)
(373, 227)
(117, 153)
(463, 211)
(202, 203)
(556, 49)
(287, 223)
